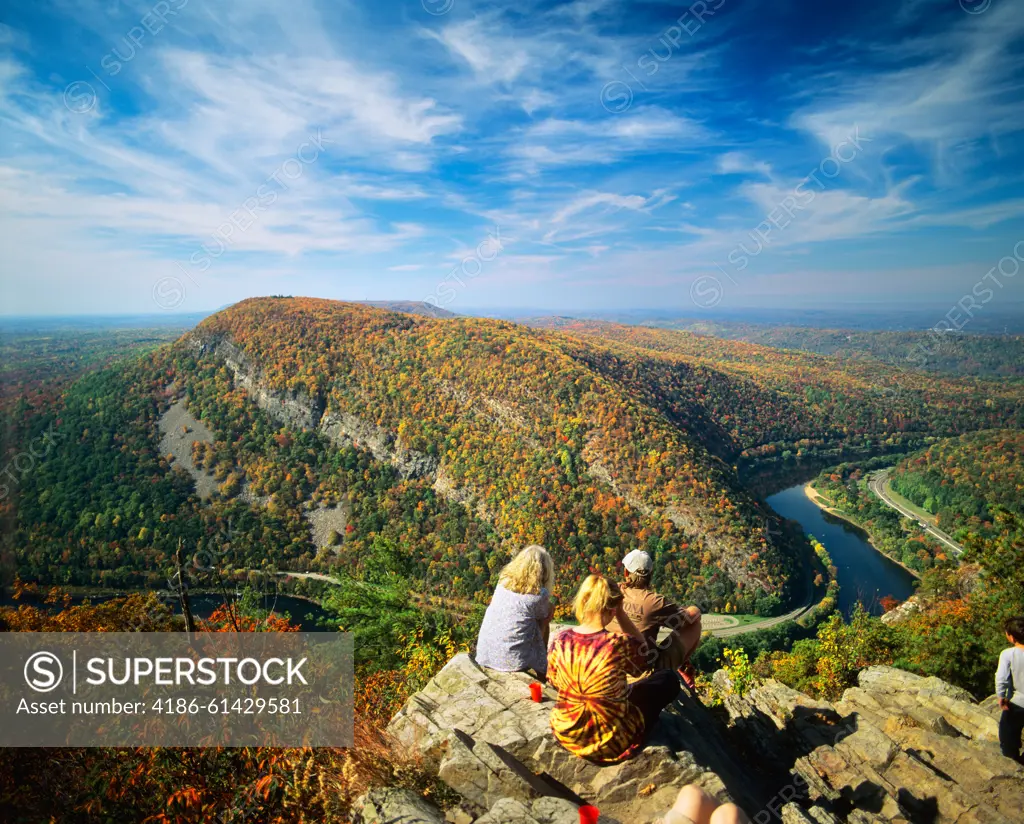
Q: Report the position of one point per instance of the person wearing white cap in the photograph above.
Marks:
(650, 611)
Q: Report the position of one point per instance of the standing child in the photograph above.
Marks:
(1010, 689)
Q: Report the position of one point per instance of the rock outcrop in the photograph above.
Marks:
(391, 805)
(489, 741)
(903, 611)
(896, 748)
(299, 410)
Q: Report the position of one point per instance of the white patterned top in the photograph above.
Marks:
(510, 637)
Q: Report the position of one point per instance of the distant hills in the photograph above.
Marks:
(768, 399)
(1003, 317)
(410, 307)
(957, 353)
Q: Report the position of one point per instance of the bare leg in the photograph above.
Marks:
(697, 806)
(729, 814)
(675, 651)
(690, 634)
(693, 803)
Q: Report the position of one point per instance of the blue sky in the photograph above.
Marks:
(589, 155)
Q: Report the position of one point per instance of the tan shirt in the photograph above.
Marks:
(647, 610)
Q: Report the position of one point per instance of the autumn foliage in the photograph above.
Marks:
(163, 785)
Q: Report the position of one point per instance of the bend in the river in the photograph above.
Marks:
(864, 573)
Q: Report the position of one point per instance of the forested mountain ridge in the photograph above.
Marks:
(768, 401)
(955, 353)
(965, 481)
(508, 421)
(410, 307)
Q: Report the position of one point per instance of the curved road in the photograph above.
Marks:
(876, 483)
(726, 626)
(721, 626)
(728, 632)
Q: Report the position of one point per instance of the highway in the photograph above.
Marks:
(729, 632)
(719, 625)
(876, 483)
(726, 626)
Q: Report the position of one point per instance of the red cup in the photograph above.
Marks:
(589, 815)
(537, 692)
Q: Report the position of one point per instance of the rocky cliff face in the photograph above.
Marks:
(299, 410)
(897, 748)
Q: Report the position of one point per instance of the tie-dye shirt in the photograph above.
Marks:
(594, 718)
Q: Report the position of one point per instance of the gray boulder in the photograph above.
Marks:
(489, 741)
(896, 749)
(395, 806)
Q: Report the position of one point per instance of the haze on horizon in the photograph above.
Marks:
(592, 155)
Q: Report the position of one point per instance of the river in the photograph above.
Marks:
(865, 574)
(305, 614)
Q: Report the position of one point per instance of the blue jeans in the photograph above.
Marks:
(1011, 724)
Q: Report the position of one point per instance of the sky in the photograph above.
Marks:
(181, 155)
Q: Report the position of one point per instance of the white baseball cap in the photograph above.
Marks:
(638, 561)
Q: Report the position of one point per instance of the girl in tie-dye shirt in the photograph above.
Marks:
(598, 715)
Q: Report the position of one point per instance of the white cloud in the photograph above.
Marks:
(653, 123)
(354, 187)
(492, 57)
(607, 199)
(832, 214)
(533, 100)
(963, 86)
(263, 105)
(738, 162)
(560, 142)
(298, 221)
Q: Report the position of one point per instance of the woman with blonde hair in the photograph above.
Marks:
(514, 633)
(599, 716)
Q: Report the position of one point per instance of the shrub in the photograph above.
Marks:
(828, 664)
